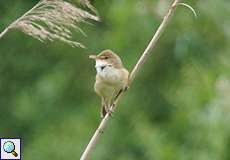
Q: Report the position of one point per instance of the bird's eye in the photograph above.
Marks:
(106, 57)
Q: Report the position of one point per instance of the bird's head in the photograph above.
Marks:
(107, 57)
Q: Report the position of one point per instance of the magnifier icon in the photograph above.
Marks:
(9, 147)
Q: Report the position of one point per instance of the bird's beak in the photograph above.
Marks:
(93, 57)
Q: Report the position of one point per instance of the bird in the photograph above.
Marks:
(111, 78)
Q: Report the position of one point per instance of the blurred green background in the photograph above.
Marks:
(178, 107)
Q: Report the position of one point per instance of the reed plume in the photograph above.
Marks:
(51, 20)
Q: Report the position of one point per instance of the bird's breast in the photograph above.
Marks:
(109, 81)
(109, 74)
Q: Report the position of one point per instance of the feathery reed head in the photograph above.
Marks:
(54, 19)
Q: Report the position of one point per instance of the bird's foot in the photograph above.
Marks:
(110, 110)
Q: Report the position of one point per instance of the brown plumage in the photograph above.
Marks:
(111, 77)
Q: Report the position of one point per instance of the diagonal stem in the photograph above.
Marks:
(133, 74)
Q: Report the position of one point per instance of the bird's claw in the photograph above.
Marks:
(110, 110)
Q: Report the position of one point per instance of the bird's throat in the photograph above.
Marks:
(100, 69)
(100, 65)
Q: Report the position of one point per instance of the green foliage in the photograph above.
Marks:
(176, 109)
